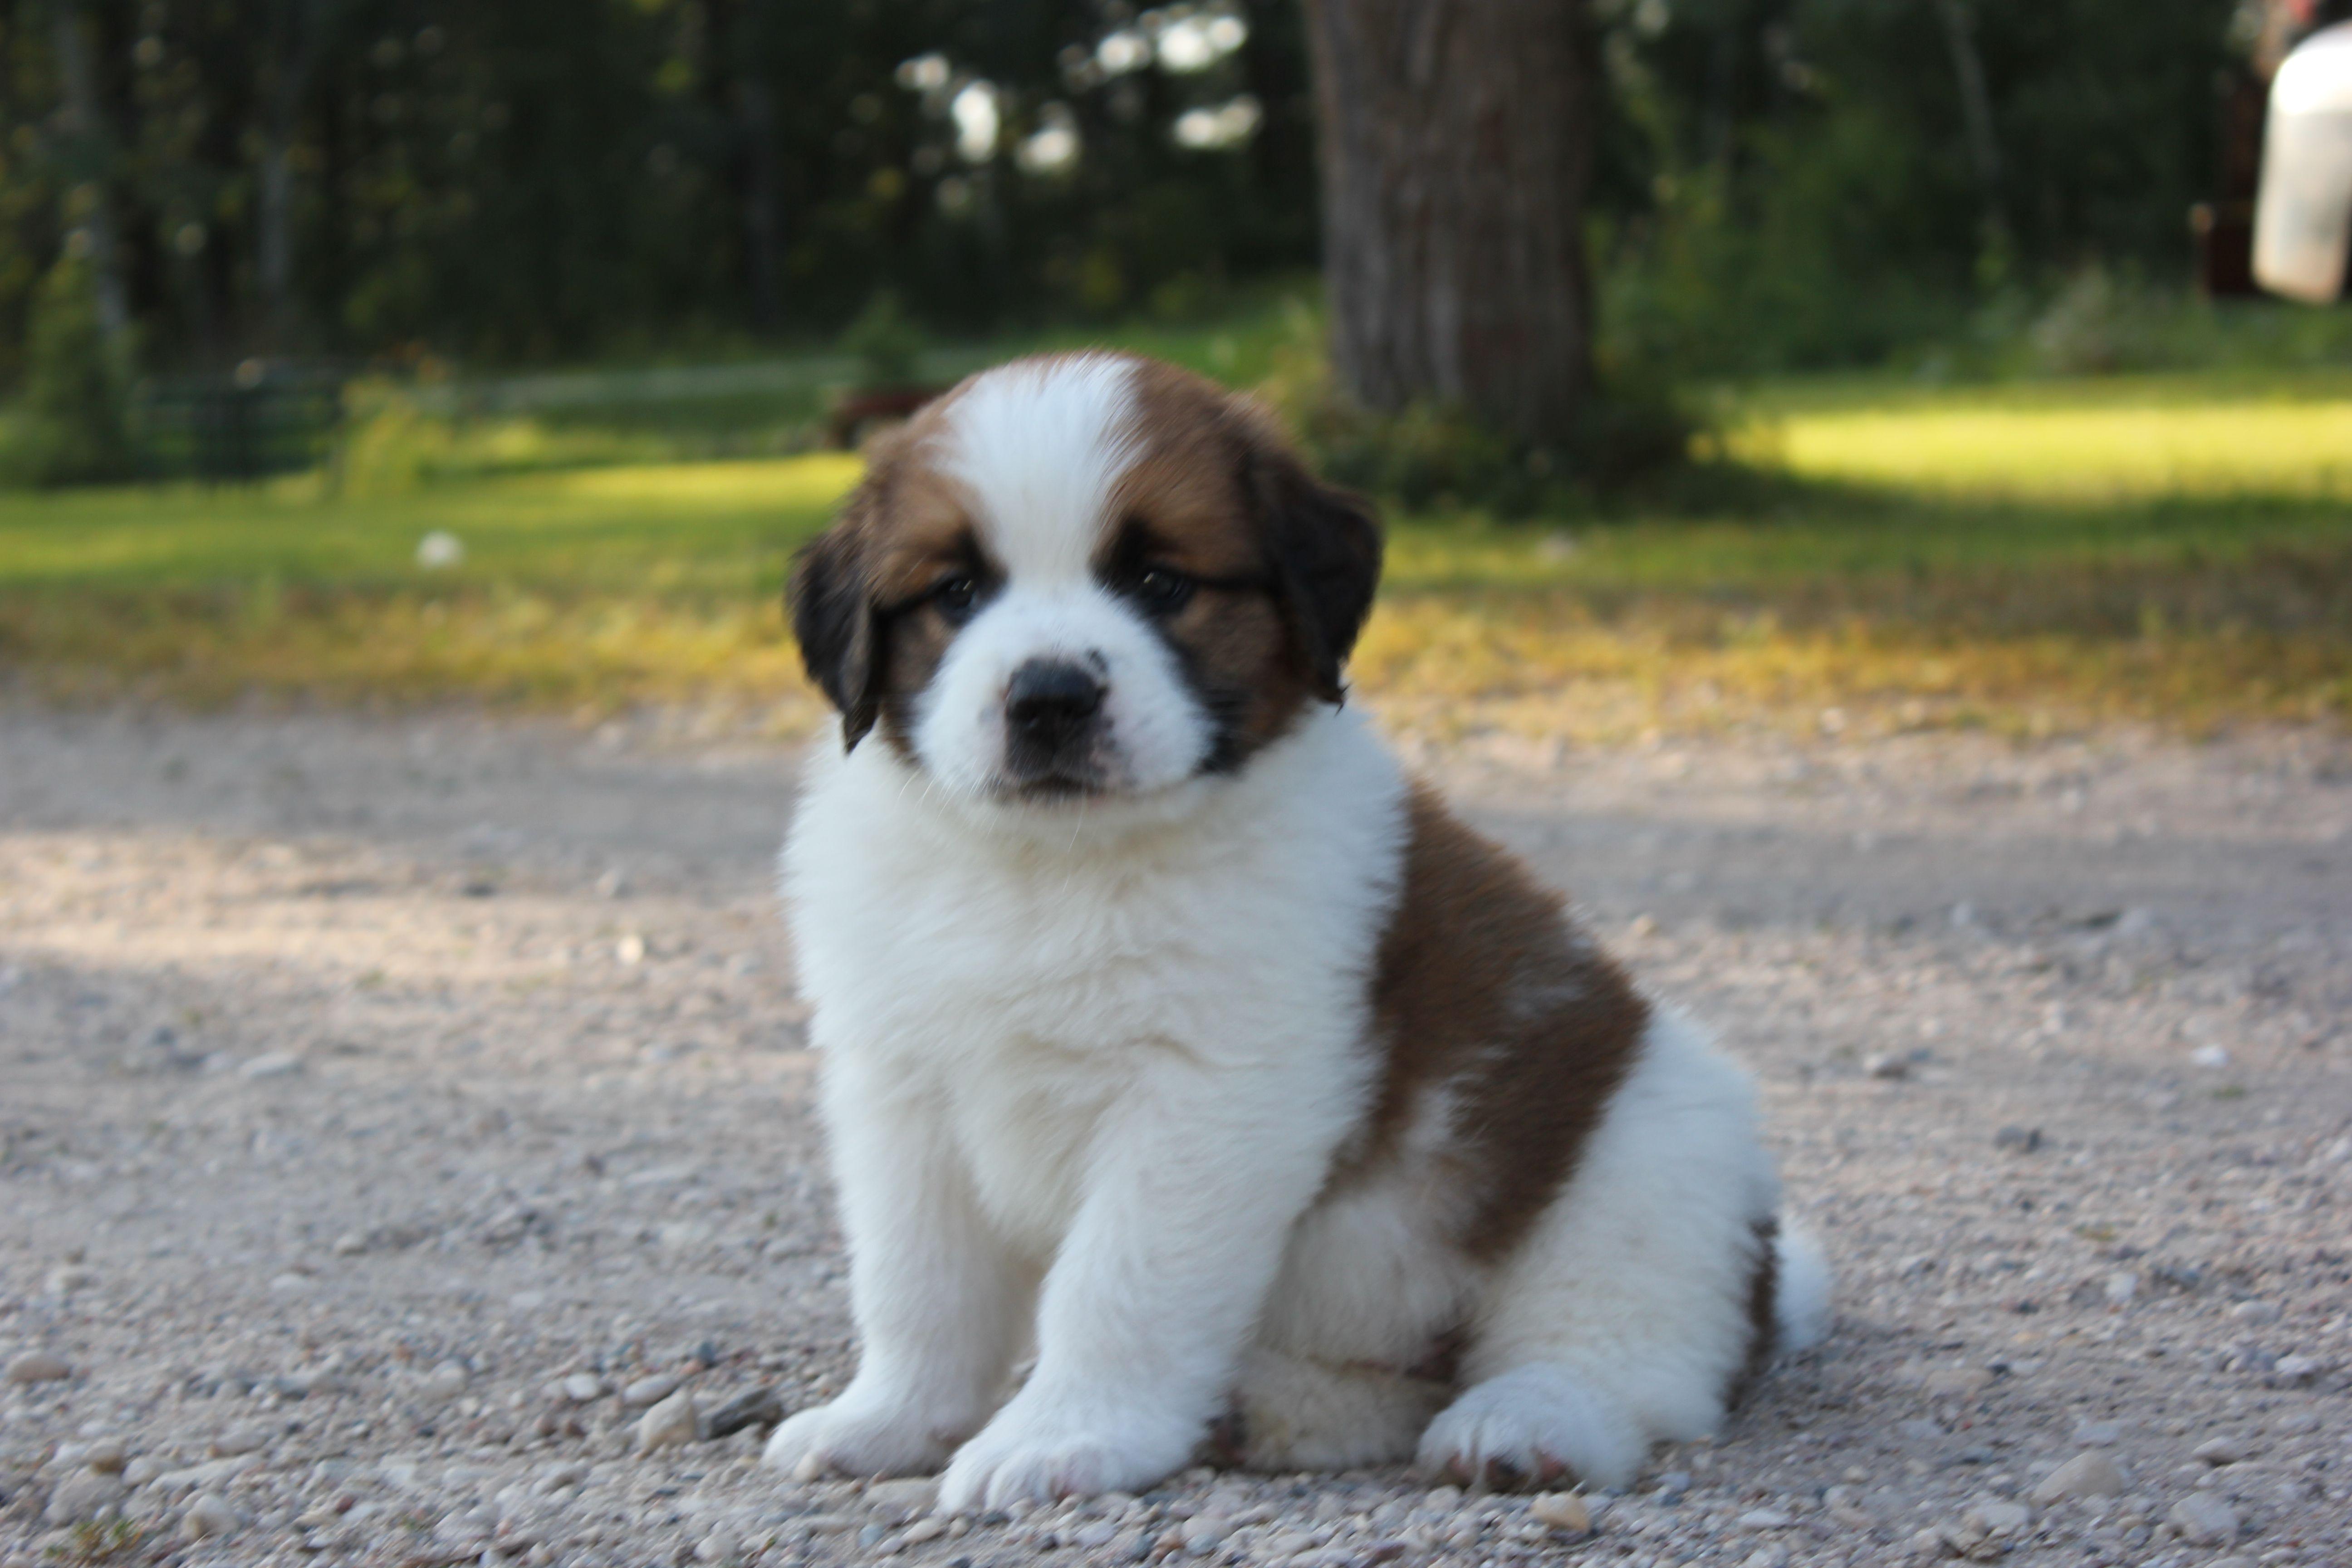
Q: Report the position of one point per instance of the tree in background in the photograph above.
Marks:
(74, 427)
(1775, 183)
(1456, 143)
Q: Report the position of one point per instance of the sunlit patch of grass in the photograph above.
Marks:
(2026, 559)
(2133, 438)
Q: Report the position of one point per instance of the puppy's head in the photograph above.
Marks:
(1080, 577)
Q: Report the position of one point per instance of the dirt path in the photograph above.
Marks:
(383, 1103)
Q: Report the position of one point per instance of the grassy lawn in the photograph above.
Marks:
(2028, 558)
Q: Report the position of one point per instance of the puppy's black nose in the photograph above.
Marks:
(1051, 699)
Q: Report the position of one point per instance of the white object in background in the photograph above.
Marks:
(2302, 215)
(437, 551)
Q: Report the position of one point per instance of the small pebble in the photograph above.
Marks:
(2089, 1474)
(238, 1440)
(721, 1545)
(277, 1064)
(444, 1381)
(1204, 1533)
(39, 1366)
(648, 1391)
(2204, 1519)
(1773, 1555)
(669, 1422)
(1565, 1511)
(85, 1495)
(2098, 1434)
(582, 1387)
(1887, 1065)
(763, 1406)
(2018, 1140)
(2256, 1312)
(1956, 1382)
(2219, 1451)
(906, 1495)
(209, 1514)
(924, 1530)
(2120, 1289)
(1765, 1519)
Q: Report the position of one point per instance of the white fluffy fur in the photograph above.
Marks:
(1086, 1067)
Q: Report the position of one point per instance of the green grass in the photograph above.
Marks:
(2055, 554)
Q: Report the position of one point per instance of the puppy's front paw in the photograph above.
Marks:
(1038, 1452)
(855, 1436)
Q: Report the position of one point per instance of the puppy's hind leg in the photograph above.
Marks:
(1624, 1316)
(1299, 1415)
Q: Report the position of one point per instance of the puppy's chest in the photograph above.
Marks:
(1011, 970)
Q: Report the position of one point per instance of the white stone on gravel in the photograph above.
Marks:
(2256, 1312)
(209, 1514)
(2089, 1474)
(39, 1366)
(2204, 1519)
(2219, 1451)
(1565, 1511)
(721, 1545)
(1205, 1532)
(1765, 1519)
(2098, 1434)
(569, 1473)
(671, 1423)
(238, 1440)
(444, 1381)
(2119, 1289)
(1885, 1065)
(84, 1495)
(648, 1391)
(906, 1495)
(277, 1064)
(583, 1388)
(1774, 1555)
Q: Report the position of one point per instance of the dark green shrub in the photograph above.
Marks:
(74, 424)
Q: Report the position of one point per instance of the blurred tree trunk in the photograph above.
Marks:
(92, 146)
(1457, 147)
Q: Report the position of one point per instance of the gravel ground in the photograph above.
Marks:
(405, 1154)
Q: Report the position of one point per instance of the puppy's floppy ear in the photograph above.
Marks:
(1324, 545)
(834, 618)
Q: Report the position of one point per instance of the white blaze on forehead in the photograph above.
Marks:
(1039, 445)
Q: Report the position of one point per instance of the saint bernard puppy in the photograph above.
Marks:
(1195, 1081)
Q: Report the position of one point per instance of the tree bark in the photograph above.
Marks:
(92, 148)
(1456, 148)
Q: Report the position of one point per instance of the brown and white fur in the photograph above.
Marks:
(1176, 1046)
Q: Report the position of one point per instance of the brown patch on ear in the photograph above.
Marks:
(1324, 543)
(1485, 989)
(855, 589)
(834, 618)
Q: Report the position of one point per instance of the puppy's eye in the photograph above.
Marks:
(956, 597)
(1162, 591)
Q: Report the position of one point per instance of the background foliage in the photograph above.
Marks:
(1784, 183)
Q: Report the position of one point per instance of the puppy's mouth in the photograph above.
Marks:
(1054, 783)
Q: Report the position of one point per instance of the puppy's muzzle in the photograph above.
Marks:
(1053, 724)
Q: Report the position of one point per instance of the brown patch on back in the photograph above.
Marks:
(1485, 988)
